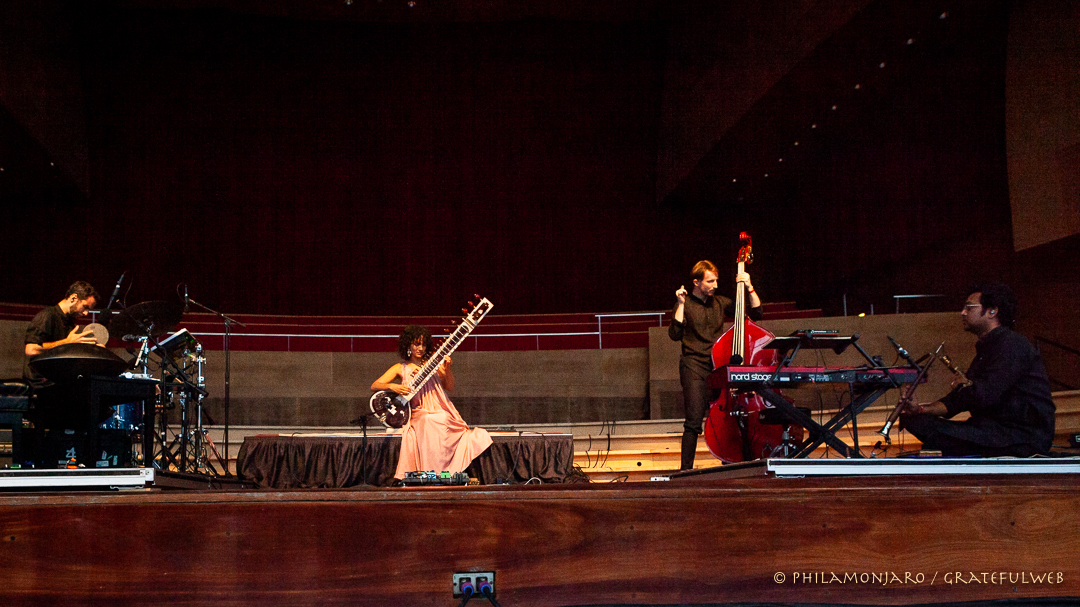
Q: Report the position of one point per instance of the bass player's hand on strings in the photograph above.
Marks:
(744, 278)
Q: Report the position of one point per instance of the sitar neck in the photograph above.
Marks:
(448, 345)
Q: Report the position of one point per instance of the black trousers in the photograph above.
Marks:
(959, 439)
(696, 397)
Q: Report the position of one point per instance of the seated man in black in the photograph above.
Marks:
(1012, 413)
(55, 326)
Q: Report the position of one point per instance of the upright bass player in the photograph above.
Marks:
(697, 321)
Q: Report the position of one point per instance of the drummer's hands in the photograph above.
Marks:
(77, 337)
(681, 295)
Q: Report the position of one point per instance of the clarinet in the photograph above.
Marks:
(963, 380)
(906, 398)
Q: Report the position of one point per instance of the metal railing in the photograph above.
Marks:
(600, 318)
(900, 297)
(536, 335)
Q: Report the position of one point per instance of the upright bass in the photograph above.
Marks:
(733, 430)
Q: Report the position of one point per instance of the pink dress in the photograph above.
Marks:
(436, 438)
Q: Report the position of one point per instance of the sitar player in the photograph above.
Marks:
(435, 438)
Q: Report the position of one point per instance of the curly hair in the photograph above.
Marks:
(1000, 296)
(410, 334)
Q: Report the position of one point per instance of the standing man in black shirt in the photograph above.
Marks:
(55, 326)
(697, 321)
(1012, 413)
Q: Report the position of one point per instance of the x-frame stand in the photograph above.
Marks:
(825, 433)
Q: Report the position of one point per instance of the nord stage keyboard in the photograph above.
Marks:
(744, 376)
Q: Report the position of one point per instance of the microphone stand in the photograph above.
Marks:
(228, 324)
(362, 420)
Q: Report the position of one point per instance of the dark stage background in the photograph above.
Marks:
(294, 160)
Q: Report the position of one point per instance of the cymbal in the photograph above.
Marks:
(69, 361)
(159, 317)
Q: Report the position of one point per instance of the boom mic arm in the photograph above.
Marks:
(903, 353)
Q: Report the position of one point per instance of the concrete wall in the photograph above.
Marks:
(279, 388)
(330, 389)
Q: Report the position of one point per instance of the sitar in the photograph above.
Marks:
(393, 409)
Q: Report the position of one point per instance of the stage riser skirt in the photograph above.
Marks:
(751, 540)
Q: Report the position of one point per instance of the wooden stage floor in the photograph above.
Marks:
(742, 536)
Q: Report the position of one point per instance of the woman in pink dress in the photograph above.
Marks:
(435, 438)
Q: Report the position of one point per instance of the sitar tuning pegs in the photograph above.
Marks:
(464, 311)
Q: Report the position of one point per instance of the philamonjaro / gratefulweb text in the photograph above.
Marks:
(900, 578)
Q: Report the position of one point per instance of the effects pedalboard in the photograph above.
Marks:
(435, 478)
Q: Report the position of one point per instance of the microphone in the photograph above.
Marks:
(130, 337)
(116, 291)
(903, 353)
(187, 302)
(873, 452)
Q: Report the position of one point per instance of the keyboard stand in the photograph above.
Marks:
(787, 347)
